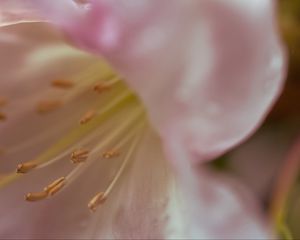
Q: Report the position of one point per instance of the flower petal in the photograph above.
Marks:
(16, 11)
(207, 70)
(35, 55)
(213, 207)
(133, 210)
(206, 205)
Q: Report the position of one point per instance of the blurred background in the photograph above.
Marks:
(269, 162)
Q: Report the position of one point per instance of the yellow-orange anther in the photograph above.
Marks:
(2, 117)
(62, 83)
(48, 106)
(79, 156)
(88, 116)
(55, 186)
(101, 87)
(33, 197)
(2, 101)
(111, 153)
(26, 167)
(97, 200)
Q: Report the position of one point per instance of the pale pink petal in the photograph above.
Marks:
(174, 55)
(213, 207)
(16, 11)
(209, 206)
(147, 203)
(207, 70)
(35, 55)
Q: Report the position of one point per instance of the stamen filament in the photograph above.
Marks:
(101, 197)
(79, 133)
(48, 133)
(117, 132)
(122, 167)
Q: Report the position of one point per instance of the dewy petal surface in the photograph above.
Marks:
(207, 70)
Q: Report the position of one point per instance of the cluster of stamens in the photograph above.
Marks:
(78, 156)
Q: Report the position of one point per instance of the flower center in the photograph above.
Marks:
(109, 127)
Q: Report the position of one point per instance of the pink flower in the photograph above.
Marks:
(207, 72)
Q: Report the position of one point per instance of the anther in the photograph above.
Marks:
(48, 106)
(2, 117)
(26, 167)
(2, 150)
(88, 116)
(79, 156)
(101, 87)
(62, 83)
(111, 154)
(32, 197)
(55, 186)
(2, 102)
(97, 200)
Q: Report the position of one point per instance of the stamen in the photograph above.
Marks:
(48, 106)
(79, 156)
(88, 116)
(104, 86)
(62, 83)
(26, 167)
(112, 136)
(33, 197)
(2, 151)
(3, 102)
(102, 196)
(55, 186)
(101, 87)
(2, 117)
(111, 154)
(97, 200)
